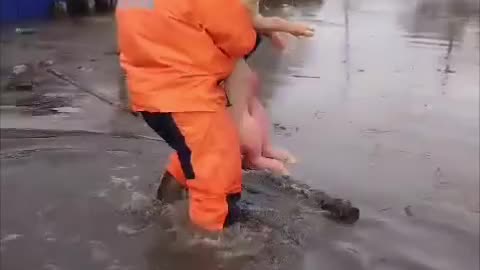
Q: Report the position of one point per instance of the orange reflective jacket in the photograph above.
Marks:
(175, 52)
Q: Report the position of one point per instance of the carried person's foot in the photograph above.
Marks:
(290, 159)
(281, 155)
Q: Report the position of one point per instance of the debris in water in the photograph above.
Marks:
(25, 31)
(11, 237)
(318, 114)
(447, 70)
(46, 63)
(428, 106)
(67, 110)
(117, 181)
(138, 202)
(283, 130)
(129, 230)
(124, 167)
(117, 152)
(49, 237)
(338, 209)
(450, 71)
(439, 179)
(348, 247)
(99, 252)
(279, 126)
(101, 193)
(85, 69)
(18, 69)
(51, 267)
(125, 229)
(115, 266)
(408, 210)
(377, 131)
(24, 86)
(58, 95)
(305, 76)
(21, 78)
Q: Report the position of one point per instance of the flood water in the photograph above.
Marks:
(380, 107)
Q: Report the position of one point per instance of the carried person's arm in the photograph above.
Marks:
(230, 25)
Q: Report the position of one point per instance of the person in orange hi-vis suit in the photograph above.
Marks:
(176, 55)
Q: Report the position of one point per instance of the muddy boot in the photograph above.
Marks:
(170, 190)
(235, 212)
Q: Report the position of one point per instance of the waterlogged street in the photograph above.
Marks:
(381, 107)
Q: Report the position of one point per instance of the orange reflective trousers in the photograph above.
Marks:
(207, 160)
(175, 54)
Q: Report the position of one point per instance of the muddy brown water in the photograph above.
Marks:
(83, 201)
(381, 107)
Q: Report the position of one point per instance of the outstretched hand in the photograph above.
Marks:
(275, 27)
(279, 39)
(300, 30)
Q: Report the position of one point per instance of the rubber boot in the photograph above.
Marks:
(170, 190)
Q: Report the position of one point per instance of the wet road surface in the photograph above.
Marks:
(381, 107)
(83, 201)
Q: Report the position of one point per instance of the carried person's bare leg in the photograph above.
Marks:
(258, 112)
(238, 87)
(251, 138)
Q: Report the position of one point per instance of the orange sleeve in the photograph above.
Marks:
(230, 25)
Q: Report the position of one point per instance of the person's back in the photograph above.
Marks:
(176, 52)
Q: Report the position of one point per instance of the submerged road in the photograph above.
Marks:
(380, 107)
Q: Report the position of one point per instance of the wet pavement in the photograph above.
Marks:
(381, 107)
